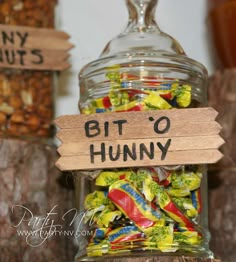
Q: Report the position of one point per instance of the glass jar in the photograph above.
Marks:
(26, 96)
(134, 211)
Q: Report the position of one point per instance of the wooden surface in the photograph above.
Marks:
(33, 48)
(161, 137)
(29, 178)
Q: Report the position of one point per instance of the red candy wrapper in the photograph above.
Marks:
(127, 198)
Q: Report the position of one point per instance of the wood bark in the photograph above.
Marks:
(222, 176)
(30, 179)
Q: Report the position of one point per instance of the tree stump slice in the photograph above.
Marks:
(30, 179)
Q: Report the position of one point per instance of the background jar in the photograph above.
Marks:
(26, 96)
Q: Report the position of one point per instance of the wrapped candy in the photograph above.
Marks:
(107, 216)
(161, 237)
(131, 106)
(146, 208)
(196, 200)
(181, 192)
(187, 237)
(103, 102)
(107, 178)
(126, 197)
(96, 199)
(171, 209)
(97, 250)
(124, 234)
(183, 94)
(186, 205)
(154, 100)
(189, 180)
(99, 235)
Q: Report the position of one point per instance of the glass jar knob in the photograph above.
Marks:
(142, 33)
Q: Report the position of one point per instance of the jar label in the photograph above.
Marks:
(33, 48)
(134, 139)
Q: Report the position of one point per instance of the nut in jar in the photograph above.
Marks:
(26, 107)
(26, 96)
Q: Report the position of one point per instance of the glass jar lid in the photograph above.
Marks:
(143, 50)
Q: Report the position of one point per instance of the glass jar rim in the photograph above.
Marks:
(159, 59)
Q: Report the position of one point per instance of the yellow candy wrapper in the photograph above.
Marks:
(186, 205)
(182, 192)
(182, 93)
(107, 178)
(187, 237)
(107, 216)
(185, 96)
(96, 199)
(154, 100)
(97, 250)
(161, 237)
(189, 180)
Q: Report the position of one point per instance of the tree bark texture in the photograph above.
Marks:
(29, 179)
(222, 176)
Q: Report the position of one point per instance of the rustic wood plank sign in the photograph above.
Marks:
(132, 139)
(25, 47)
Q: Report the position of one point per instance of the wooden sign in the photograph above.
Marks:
(25, 47)
(132, 139)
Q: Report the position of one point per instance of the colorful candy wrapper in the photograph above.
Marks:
(186, 205)
(92, 213)
(107, 216)
(146, 189)
(187, 237)
(97, 199)
(163, 177)
(143, 180)
(182, 192)
(113, 73)
(131, 203)
(130, 106)
(171, 209)
(196, 200)
(97, 250)
(189, 180)
(183, 94)
(124, 234)
(161, 237)
(103, 102)
(118, 98)
(107, 178)
(99, 235)
(154, 100)
(184, 98)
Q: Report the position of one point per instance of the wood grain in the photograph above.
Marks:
(52, 60)
(177, 144)
(34, 32)
(18, 45)
(151, 138)
(180, 115)
(82, 162)
(143, 130)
